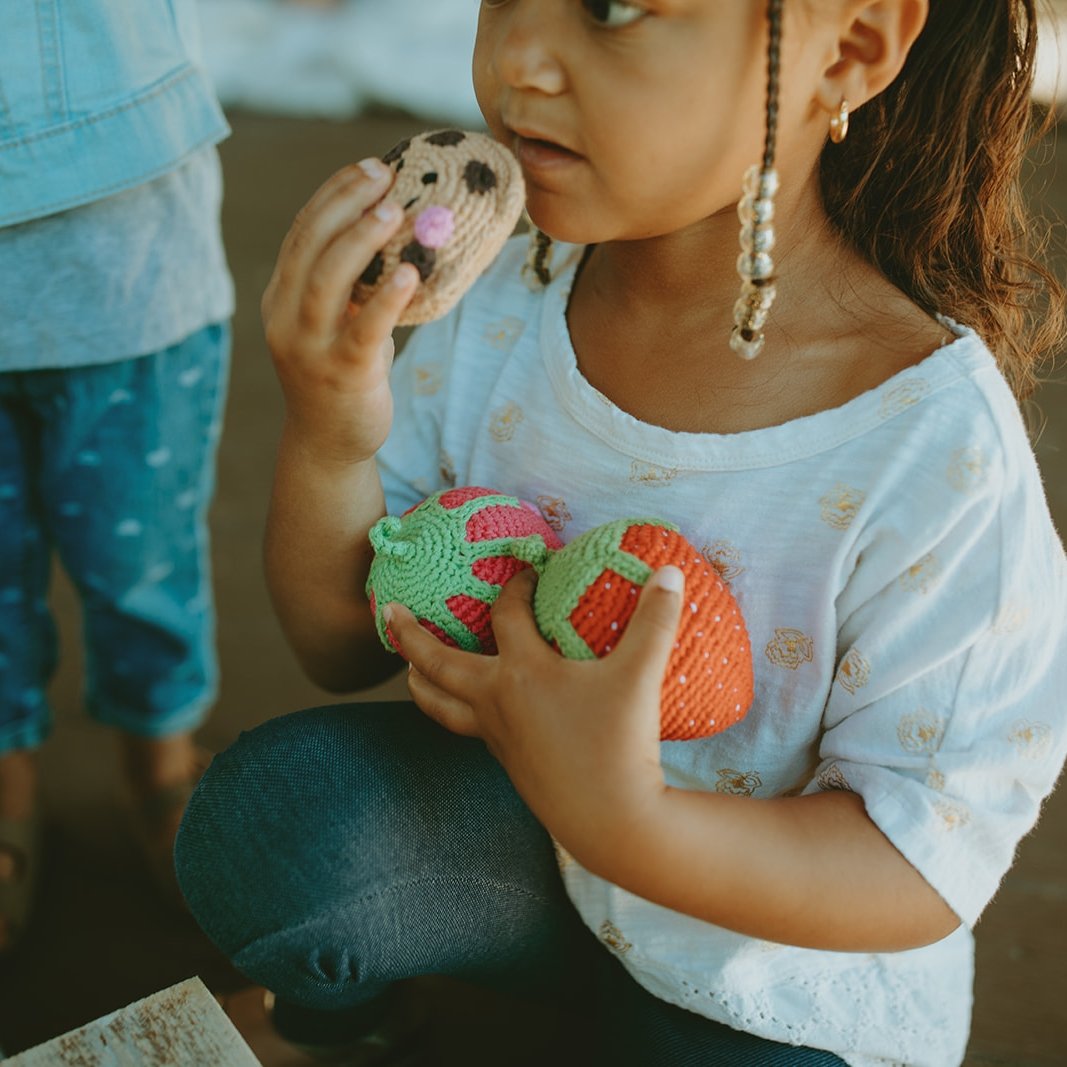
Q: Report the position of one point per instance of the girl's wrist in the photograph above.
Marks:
(329, 453)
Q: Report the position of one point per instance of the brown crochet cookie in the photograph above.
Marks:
(462, 195)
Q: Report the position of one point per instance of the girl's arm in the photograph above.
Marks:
(333, 362)
(580, 741)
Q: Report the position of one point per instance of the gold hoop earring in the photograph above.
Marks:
(839, 123)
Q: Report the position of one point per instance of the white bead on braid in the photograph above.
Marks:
(756, 211)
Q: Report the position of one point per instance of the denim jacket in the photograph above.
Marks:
(97, 96)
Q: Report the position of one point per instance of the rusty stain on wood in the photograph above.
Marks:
(182, 1026)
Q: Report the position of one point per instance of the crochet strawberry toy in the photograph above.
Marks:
(447, 558)
(462, 195)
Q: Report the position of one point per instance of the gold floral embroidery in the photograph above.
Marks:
(854, 672)
(447, 469)
(738, 783)
(651, 474)
(922, 575)
(935, 780)
(790, 648)
(903, 396)
(967, 469)
(921, 731)
(840, 505)
(1012, 618)
(504, 333)
(833, 777)
(725, 558)
(1032, 739)
(505, 422)
(953, 813)
(613, 937)
(554, 511)
(428, 379)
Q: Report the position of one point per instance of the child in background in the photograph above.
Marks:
(836, 430)
(114, 354)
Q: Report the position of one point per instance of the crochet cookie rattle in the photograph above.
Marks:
(447, 558)
(462, 195)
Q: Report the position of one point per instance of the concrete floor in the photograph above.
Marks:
(101, 938)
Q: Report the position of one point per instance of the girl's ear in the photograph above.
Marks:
(873, 44)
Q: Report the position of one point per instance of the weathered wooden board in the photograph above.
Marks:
(182, 1026)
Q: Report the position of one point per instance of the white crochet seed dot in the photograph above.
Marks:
(692, 722)
(700, 633)
(725, 660)
(681, 679)
(692, 607)
(718, 685)
(614, 625)
(718, 618)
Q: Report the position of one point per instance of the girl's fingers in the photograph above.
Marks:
(328, 285)
(373, 323)
(446, 668)
(338, 206)
(514, 624)
(650, 635)
(340, 200)
(448, 711)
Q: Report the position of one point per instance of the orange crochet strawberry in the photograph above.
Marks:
(587, 592)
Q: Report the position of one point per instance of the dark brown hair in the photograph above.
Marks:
(928, 186)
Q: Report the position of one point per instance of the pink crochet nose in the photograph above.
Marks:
(434, 227)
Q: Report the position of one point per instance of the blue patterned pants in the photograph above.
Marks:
(112, 468)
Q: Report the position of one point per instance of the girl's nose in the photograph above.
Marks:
(526, 54)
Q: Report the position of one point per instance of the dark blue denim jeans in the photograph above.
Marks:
(333, 852)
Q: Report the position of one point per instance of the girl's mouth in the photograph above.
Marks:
(536, 154)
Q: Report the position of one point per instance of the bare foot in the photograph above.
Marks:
(161, 772)
(18, 793)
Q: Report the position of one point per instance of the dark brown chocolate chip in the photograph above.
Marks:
(421, 257)
(430, 178)
(374, 270)
(446, 138)
(396, 151)
(480, 177)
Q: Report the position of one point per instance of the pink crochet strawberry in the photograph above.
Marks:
(447, 558)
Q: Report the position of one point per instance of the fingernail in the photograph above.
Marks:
(671, 579)
(386, 211)
(373, 168)
(387, 614)
(403, 276)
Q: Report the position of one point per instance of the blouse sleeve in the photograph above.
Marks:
(947, 713)
(410, 462)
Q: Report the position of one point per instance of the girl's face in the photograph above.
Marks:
(631, 118)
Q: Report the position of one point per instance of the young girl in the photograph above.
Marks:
(802, 888)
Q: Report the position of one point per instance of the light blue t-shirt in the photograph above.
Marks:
(121, 277)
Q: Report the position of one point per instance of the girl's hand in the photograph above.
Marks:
(579, 739)
(333, 358)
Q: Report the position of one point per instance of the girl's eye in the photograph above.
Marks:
(613, 13)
